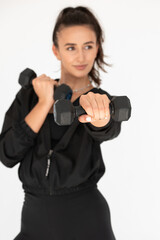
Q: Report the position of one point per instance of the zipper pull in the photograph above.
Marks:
(48, 161)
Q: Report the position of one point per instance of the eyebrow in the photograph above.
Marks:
(75, 43)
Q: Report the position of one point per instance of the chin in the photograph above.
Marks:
(81, 74)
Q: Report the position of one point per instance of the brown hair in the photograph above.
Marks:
(80, 15)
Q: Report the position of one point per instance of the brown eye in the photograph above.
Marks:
(69, 47)
(89, 46)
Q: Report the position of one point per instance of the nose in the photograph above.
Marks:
(80, 56)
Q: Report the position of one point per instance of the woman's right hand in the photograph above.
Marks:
(44, 88)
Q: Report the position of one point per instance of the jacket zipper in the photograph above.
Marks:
(48, 162)
(48, 167)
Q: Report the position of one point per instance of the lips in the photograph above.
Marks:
(80, 67)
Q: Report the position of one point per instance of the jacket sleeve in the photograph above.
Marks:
(16, 136)
(108, 132)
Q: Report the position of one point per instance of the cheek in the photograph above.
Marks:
(92, 56)
(65, 59)
(67, 62)
(91, 60)
(68, 58)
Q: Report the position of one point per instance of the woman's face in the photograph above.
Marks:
(77, 46)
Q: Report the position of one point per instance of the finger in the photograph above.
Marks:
(94, 103)
(89, 103)
(98, 106)
(86, 105)
(101, 106)
(42, 76)
(52, 80)
(106, 102)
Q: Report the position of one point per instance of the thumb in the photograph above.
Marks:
(55, 83)
(85, 118)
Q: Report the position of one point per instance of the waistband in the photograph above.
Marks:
(61, 192)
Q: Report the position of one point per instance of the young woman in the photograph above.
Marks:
(61, 165)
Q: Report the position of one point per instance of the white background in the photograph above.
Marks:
(132, 37)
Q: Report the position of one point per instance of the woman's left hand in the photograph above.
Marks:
(97, 108)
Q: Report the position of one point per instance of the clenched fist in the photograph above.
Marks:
(97, 108)
(44, 88)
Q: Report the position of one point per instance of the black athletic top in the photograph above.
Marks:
(57, 159)
(56, 131)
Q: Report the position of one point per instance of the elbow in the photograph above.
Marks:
(7, 160)
(8, 164)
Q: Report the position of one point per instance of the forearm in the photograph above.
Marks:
(37, 115)
(20, 134)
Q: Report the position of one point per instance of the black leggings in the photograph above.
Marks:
(81, 215)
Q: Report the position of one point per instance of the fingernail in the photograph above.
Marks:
(88, 119)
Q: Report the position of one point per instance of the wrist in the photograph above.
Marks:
(45, 102)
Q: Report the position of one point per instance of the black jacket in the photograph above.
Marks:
(75, 162)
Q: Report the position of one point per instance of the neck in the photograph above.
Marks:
(75, 82)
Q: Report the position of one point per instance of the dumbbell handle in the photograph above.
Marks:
(117, 112)
(80, 111)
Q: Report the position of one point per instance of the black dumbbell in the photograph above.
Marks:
(61, 92)
(64, 112)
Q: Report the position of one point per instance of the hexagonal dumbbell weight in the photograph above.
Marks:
(65, 112)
